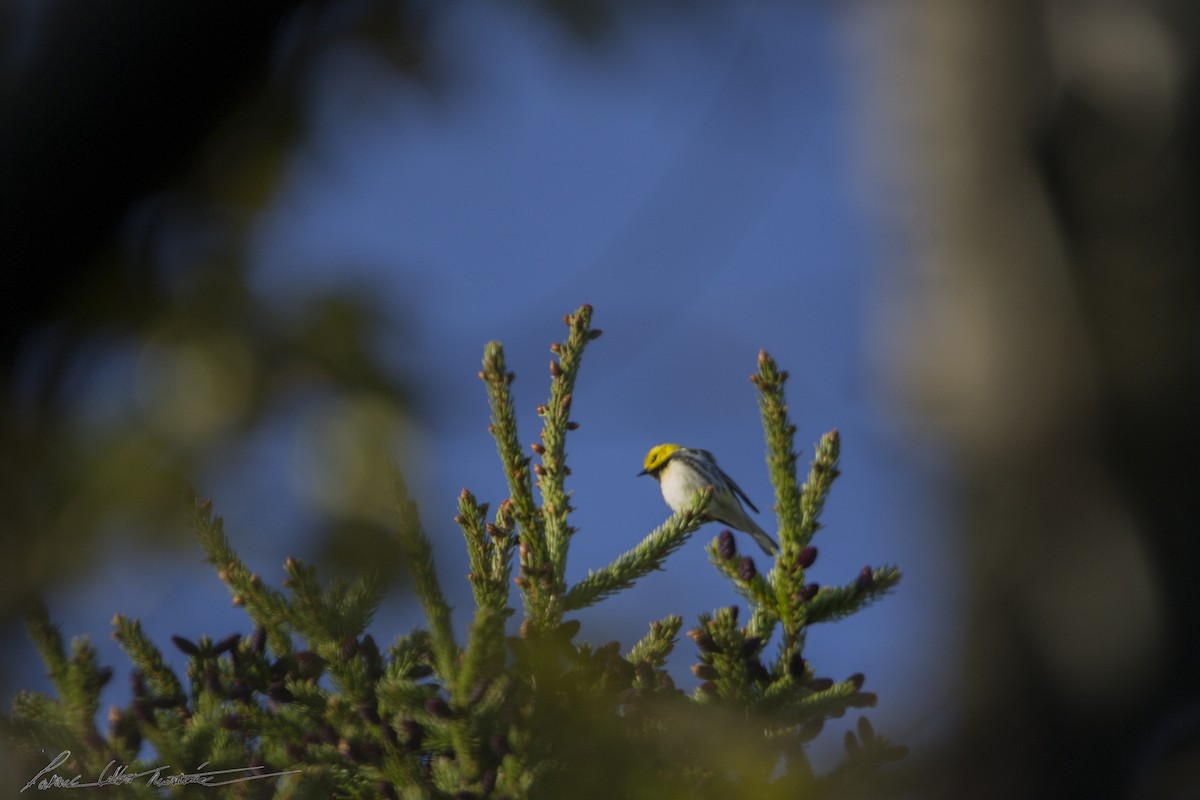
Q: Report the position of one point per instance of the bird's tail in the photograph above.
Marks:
(768, 545)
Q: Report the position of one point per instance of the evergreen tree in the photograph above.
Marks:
(309, 705)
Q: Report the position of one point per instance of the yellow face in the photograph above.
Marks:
(658, 456)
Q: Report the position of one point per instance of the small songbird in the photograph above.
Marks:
(682, 471)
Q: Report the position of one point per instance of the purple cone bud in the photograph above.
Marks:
(368, 712)
(487, 782)
(436, 707)
(865, 579)
(807, 557)
(309, 663)
(726, 546)
(703, 640)
(746, 569)
(797, 665)
(369, 649)
(705, 672)
(226, 644)
(414, 733)
(281, 667)
(185, 646)
(857, 679)
(809, 591)
(278, 692)
(240, 691)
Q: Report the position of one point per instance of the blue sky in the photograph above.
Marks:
(698, 180)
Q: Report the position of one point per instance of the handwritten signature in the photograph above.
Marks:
(115, 774)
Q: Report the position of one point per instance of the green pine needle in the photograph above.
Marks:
(832, 603)
(418, 555)
(266, 607)
(641, 560)
(556, 413)
(653, 648)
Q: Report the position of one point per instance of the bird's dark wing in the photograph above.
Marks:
(737, 490)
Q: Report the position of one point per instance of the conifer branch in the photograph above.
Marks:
(265, 606)
(821, 474)
(799, 510)
(861, 773)
(418, 555)
(653, 648)
(641, 560)
(781, 457)
(799, 701)
(503, 428)
(484, 654)
(747, 580)
(835, 602)
(78, 678)
(36, 719)
(489, 553)
(158, 695)
(499, 717)
(556, 415)
(472, 521)
(729, 658)
(160, 679)
(47, 638)
(649, 656)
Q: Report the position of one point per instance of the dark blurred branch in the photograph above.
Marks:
(115, 103)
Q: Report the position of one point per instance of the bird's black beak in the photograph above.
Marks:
(643, 472)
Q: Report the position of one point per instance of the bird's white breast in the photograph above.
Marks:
(680, 484)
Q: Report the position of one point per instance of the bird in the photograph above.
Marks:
(683, 471)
